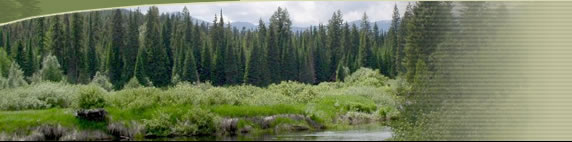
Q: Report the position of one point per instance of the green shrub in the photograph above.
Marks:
(387, 112)
(219, 96)
(5, 62)
(138, 98)
(102, 81)
(51, 70)
(38, 96)
(379, 95)
(91, 97)
(15, 77)
(366, 77)
(159, 126)
(180, 123)
(263, 110)
(132, 83)
(203, 120)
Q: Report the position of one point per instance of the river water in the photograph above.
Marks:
(355, 134)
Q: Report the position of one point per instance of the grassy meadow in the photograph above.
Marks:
(191, 109)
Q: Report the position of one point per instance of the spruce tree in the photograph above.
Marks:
(20, 55)
(30, 60)
(157, 66)
(114, 60)
(190, 69)
(58, 39)
(131, 46)
(257, 69)
(334, 42)
(1, 39)
(8, 46)
(218, 43)
(92, 57)
(74, 51)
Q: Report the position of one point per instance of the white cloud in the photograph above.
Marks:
(302, 13)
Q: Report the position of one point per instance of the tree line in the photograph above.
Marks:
(163, 49)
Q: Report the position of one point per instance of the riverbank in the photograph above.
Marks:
(47, 111)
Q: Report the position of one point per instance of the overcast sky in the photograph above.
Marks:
(302, 13)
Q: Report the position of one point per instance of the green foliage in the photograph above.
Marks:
(157, 62)
(114, 57)
(366, 77)
(181, 123)
(16, 121)
(388, 113)
(15, 77)
(262, 110)
(159, 125)
(5, 62)
(39, 96)
(91, 97)
(133, 83)
(102, 81)
(51, 70)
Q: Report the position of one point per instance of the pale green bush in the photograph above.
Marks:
(91, 97)
(137, 98)
(183, 93)
(102, 81)
(219, 96)
(5, 62)
(15, 77)
(160, 125)
(132, 83)
(181, 123)
(195, 122)
(38, 96)
(51, 70)
(378, 95)
(366, 77)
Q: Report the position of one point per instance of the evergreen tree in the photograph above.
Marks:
(20, 56)
(257, 69)
(206, 70)
(166, 32)
(58, 39)
(365, 55)
(75, 62)
(5, 62)
(190, 69)
(114, 59)
(92, 57)
(51, 70)
(426, 29)
(218, 42)
(1, 38)
(157, 65)
(15, 77)
(230, 60)
(8, 46)
(402, 35)
(335, 42)
(30, 60)
(40, 35)
(131, 47)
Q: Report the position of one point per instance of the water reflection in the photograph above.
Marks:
(355, 134)
(376, 134)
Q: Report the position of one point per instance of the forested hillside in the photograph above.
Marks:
(163, 49)
(169, 75)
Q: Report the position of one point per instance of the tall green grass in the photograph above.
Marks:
(365, 92)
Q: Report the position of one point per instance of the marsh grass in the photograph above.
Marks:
(194, 109)
(251, 111)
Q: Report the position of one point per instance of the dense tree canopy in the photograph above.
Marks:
(162, 49)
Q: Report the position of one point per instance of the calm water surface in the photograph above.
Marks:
(355, 134)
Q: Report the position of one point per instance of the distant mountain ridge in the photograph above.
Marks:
(382, 24)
